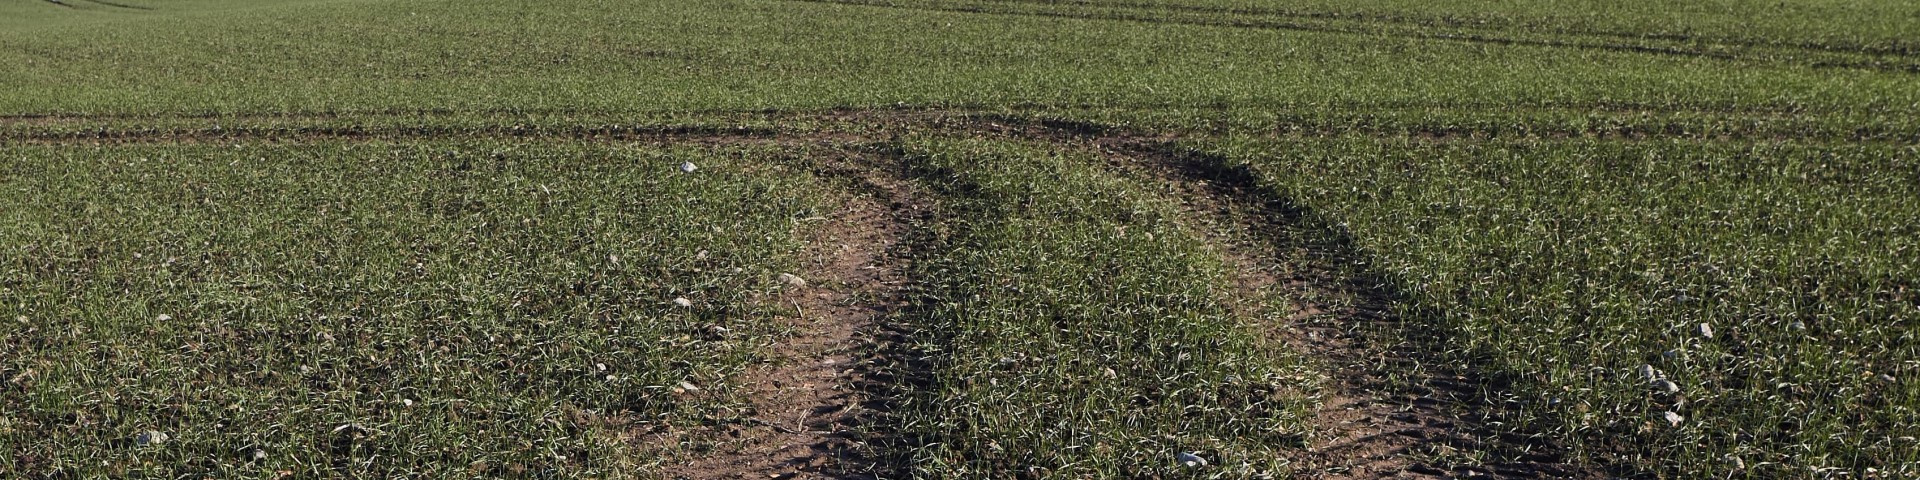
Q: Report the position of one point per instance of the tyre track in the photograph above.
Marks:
(853, 126)
(1474, 23)
(806, 410)
(1393, 407)
(1432, 422)
(1268, 24)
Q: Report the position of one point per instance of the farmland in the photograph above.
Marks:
(959, 239)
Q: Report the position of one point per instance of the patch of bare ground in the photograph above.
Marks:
(805, 407)
(1391, 406)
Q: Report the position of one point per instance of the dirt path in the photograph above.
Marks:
(807, 405)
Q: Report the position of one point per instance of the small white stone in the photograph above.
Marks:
(1675, 418)
(1706, 330)
(151, 438)
(682, 302)
(259, 454)
(601, 366)
(164, 317)
(792, 280)
(688, 167)
(1190, 460)
(1666, 385)
(688, 386)
(1650, 374)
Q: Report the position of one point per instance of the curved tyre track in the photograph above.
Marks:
(1392, 407)
(806, 407)
(1430, 421)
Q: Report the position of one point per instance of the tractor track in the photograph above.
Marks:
(1393, 407)
(847, 126)
(1300, 24)
(807, 405)
(1475, 23)
(819, 408)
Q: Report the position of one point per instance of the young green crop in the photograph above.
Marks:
(388, 309)
(1760, 291)
(1569, 190)
(1883, 26)
(357, 57)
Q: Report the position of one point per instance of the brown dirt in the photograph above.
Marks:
(806, 406)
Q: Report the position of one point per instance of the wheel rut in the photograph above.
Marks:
(1388, 409)
(1793, 55)
(1391, 407)
(807, 406)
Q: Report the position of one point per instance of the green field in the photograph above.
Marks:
(959, 239)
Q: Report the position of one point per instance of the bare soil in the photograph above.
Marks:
(807, 405)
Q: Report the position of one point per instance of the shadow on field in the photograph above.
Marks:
(1403, 400)
(119, 5)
